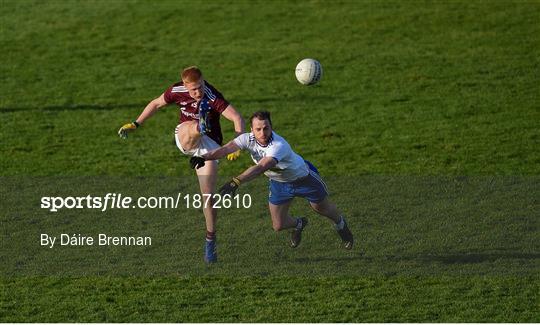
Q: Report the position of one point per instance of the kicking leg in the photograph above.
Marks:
(282, 220)
(189, 135)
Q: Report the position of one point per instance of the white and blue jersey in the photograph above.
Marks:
(292, 176)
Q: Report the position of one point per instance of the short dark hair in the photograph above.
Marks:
(261, 115)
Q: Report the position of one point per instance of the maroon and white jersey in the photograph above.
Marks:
(189, 110)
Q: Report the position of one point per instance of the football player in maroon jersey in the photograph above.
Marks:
(199, 131)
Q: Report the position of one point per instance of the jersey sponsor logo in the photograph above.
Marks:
(192, 115)
(258, 154)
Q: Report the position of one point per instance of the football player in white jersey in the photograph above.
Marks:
(290, 176)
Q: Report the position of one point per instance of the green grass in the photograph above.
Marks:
(276, 299)
(414, 95)
(409, 88)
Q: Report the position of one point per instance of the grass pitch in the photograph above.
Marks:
(413, 94)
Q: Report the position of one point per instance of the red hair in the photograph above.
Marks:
(191, 74)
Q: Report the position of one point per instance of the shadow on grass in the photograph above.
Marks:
(457, 258)
(69, 107)
(291, 99)
(472, 258)
(333, 259)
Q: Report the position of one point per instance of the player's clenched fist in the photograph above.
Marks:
(123, 132)
(234, 155)
(230, 188)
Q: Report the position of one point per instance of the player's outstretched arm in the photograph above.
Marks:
(222, 151)
(252, 172)
(198, 162)
(148, 111)
(232, 115)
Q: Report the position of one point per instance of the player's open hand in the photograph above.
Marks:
(123, 132)
(196, 162)
(230, 188)
(234, 155)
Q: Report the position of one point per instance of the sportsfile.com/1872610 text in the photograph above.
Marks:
(119, 201)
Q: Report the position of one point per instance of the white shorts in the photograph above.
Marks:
(205, 145)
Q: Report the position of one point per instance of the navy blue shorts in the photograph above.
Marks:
(311, 187)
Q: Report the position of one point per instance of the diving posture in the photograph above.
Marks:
(290, 176)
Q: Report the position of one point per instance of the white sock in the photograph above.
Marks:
(341, 223)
